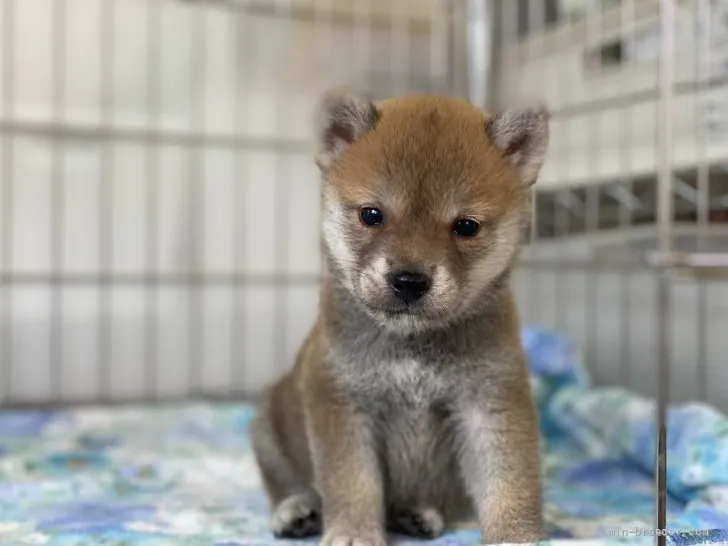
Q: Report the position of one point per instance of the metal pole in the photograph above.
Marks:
(479, 43)
(664, 224)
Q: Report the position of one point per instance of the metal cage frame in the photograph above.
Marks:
(470, 44)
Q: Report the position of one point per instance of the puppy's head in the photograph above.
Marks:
(425, 200)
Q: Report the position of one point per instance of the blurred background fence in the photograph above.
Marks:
(159, 202)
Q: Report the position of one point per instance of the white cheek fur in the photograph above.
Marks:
(442, 284)
(334, 227)
(506, 240)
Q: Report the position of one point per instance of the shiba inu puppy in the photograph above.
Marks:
(408, 407)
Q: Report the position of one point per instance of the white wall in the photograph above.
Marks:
(274, 70)
(213, 67)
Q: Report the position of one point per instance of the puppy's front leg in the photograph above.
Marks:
(345, 465)
(500, 464)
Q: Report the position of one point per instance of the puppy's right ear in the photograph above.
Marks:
(342, 118)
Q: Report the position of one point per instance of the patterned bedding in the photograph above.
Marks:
(143, 476)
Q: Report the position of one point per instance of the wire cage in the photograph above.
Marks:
(160, 224)
(634, 184)
(159, 228)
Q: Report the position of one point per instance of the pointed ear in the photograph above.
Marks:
(522, 136)
(342, 118)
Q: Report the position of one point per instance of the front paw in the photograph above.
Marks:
(418, 522)
(342, 537)
(299, 516)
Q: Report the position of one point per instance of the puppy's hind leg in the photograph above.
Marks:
(295, 505)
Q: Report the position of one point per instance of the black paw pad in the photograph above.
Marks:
(301, 526)
(419, 523)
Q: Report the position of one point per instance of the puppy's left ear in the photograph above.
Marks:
(522, 136)
(342, 118)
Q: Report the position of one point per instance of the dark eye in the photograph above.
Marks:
(466, 227)
(371, 216)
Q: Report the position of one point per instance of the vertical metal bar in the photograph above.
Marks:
(453, 77)
(535, 16)
(106, 210)
(661, 465)
(438, 46)
(400, 44)
(151, 213)
(362, 39)
(196, 197)
(479, 50)
(563, 220)
(237, 343)
(663, 386)
(665, 205)
(351, 38)
(592, 218)
(282, 199)
(56, 236)
(703, 62)
(324, 25)
(625, 214)
(664, 222)
(323, 28)
(8, 197)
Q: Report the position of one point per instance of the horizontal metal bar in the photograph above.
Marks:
(266, 143)
(308, 14)
(652, 262)
(690, 259)
(679, 267)
(72, 131)
(585, 265)
(170, 401)
(160, 279)
(628, 99)
(692, 274)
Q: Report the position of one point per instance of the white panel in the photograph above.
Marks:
(174, 214)
(302, 216)
(217, 343)
(302, 307)
(267, 89)
(173, 376)
(31, 205)
(260, 339)
(217, 210)
(219, 86)
(84, 53)
(33, 57)
(130, 63)
(128, 217)
(80, 355)
(261, 211)
(176, 92)
(81, 207)
(31, 375)
(127, 343)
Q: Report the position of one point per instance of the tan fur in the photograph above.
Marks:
(327, 429)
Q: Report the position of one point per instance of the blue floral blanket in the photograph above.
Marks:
(149, 476)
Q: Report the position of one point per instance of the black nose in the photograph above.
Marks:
(409, 286)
